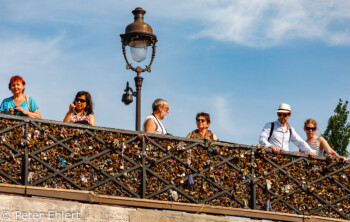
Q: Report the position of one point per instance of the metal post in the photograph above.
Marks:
(25, 159)
(143, 168)
(253, 183)
(138, 83)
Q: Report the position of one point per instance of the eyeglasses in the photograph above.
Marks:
(166, 108)
(80, 100)
(201, 120)
(310, 128)
(283, 114)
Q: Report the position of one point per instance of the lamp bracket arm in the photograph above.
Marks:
(132, 92)
(128, 88)
(148, 68)
(128, 65)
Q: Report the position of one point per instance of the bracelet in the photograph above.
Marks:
(334, 154)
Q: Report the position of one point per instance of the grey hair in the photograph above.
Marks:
(157, 103)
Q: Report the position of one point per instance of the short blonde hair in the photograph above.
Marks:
(312, 121)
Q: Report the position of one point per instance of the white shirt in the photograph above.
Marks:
(160, 128)
(281, 137)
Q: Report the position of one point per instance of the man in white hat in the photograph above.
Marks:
(277, 135)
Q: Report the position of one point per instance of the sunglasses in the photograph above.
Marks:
(310, 128)
(283, 114)
(80, 100)
(201, 120)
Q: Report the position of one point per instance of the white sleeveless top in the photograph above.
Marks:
(314, 146)
(160, 128)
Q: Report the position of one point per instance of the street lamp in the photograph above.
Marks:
(138, 36)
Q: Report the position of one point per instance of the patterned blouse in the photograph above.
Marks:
(195, 134)
(82, 119)
(315, 147)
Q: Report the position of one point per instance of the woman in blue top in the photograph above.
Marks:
(19, 104)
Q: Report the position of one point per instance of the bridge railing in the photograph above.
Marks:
(51, 154)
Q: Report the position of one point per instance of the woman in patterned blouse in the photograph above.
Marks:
(203, 122)
(318, 143)
(81, 110)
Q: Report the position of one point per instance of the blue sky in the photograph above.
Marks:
(237, 60)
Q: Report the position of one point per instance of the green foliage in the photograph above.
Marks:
(338, 130)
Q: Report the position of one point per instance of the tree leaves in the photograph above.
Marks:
(338, 130)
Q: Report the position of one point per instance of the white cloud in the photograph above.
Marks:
(79, 12)
(26, 52)
(266, 23)
(254, 23)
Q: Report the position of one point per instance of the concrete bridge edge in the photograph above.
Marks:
(19, 208)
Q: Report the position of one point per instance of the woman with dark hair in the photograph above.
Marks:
(318, 143)
(203, 122)
(19, 104)
(81, 110)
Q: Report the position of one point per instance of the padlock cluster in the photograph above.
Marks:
(121, 163)
(299, 185)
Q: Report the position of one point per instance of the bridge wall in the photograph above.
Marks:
(18, 208)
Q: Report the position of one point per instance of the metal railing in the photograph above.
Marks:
(43, 153)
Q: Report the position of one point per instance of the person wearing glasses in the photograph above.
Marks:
(19, 104)
(277, 135)
(203, 122)
(81, 110)
(318, 143)
(153, 122)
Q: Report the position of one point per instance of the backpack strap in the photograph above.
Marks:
(290, 132)
(28, 103)
(271, 130)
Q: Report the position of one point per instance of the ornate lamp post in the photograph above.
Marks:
(138, 36)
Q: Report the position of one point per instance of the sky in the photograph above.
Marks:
(235, 59)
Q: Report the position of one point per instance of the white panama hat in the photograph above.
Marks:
(284, 108)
